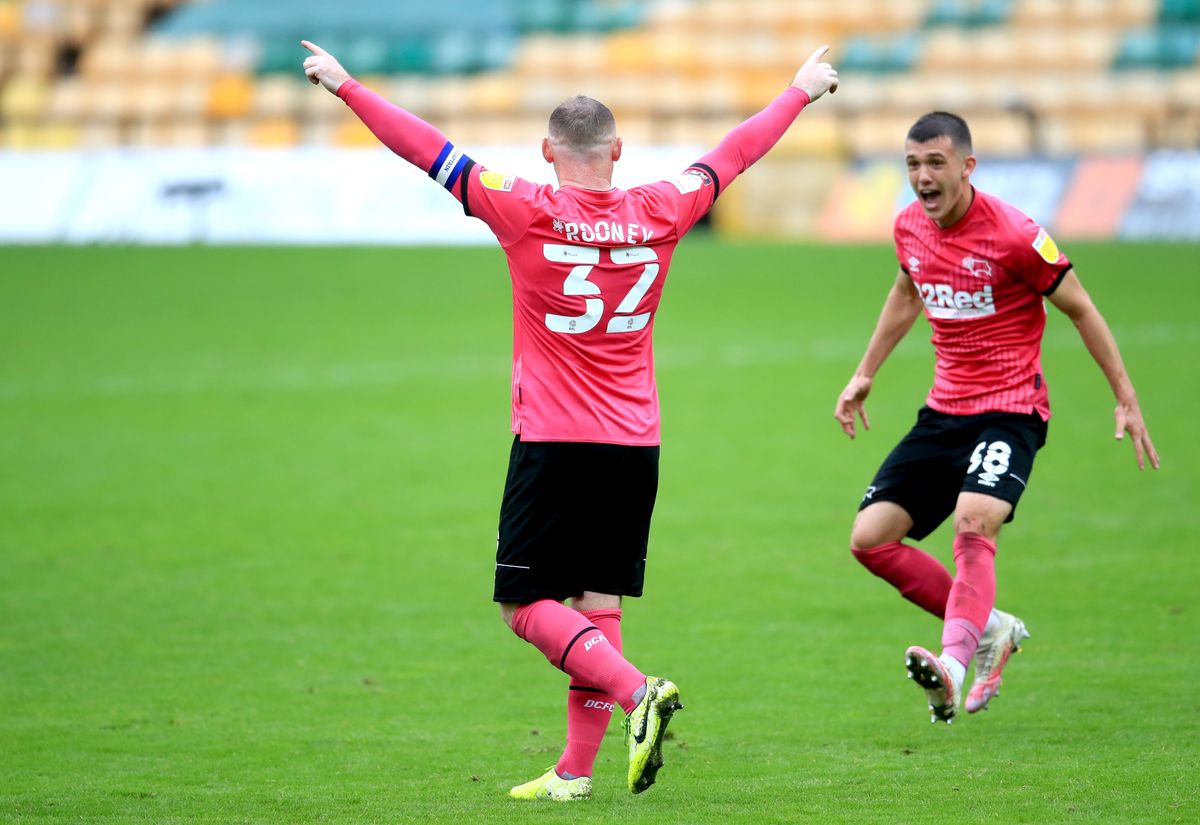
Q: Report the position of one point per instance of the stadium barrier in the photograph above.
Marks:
(330, 196)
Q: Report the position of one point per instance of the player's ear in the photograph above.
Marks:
(618, 144)
(547, 150)
(968, 166)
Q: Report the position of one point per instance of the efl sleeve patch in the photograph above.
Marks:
(1046, 247)
(687, 183)
(497, 181)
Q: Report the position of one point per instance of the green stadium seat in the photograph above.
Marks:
(368, 55)
(880, 54)
(1163, 48)
(969, 13)
(453, 36)
(409, 55)
(1179, 11)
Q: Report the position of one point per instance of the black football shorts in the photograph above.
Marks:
(575, 517)
(944, 455)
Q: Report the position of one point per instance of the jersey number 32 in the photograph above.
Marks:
(584, 259)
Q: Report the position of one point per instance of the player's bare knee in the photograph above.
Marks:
(863, 538)
(868, 533)
(979, 523)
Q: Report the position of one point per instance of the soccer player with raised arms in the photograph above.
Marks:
(980, 270)
(587, 263)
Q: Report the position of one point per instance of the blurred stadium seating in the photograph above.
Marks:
(1085, 112)
(1033, 76)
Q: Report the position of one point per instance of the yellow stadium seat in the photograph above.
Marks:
(124, 19)
(230, 96)
(98, 134)
(35, 56)
(10, 22)
(277, 96)
(18, 137)
(352, 133)
(191, 97)
(448, 96)
(412, 92)
(628, 52)
(1105, 132)
(999, 133)
(878, 133)
(494, 93)
(1184, 90)
(153, 100)
(59, 135)
(820, 134)
(188, 132)
(946, 50)
(109, 59)
(570, 56)
(1132, 13)
(68, 100)
(110, 101)
(198, 58)
(24, 99)
(274, 132)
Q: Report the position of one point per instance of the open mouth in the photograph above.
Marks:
(930, 198)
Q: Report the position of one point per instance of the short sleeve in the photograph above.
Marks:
(506, 203)
(1039, 262)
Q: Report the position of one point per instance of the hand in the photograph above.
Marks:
(323, 68)
(1129, 419)
(815, 77)
(850, 402)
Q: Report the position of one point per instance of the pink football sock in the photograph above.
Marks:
(919, 577)
(589, 708)
(972, 596)
(577, 647)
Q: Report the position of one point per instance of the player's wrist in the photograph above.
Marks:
(805, 97)
(347, 86)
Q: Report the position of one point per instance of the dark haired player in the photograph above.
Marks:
(980, 270)
(587, 263)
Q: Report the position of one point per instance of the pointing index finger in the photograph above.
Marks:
(312, 47)
(818, 54)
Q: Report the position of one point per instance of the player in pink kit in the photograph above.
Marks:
(587, 263)
(980, 270)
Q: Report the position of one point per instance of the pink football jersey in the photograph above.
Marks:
(983, 280)
(587, 272)
(587, 268)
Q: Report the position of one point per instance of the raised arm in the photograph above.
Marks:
(752, 139)
(403, 132)
(1076, 304)
(900, 310)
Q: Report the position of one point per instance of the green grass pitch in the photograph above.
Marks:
(248, 502)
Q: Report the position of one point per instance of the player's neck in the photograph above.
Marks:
(584, 177)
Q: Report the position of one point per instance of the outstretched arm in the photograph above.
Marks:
(900, 310)
(403, 132)
(752, 139)
(1076, 304)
